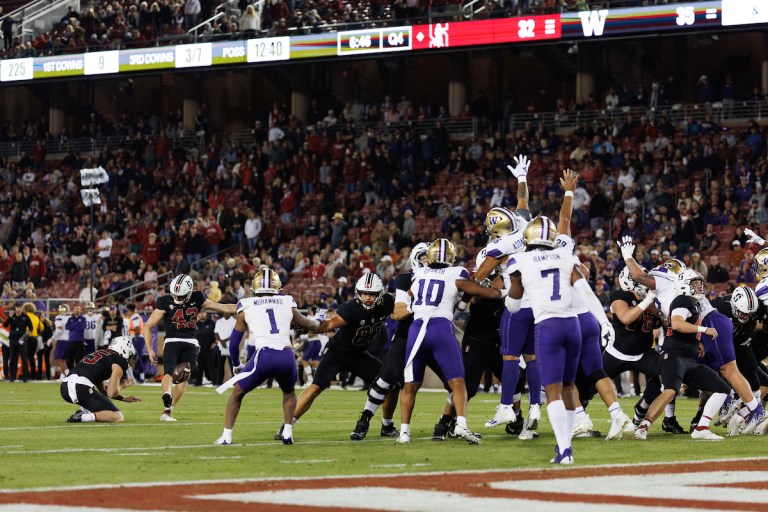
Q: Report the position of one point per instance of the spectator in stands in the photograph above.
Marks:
(104, 245)
(737, 254)
(37, 268)
(19, 270)
(253, 227)
(709, 240)
(746, 272)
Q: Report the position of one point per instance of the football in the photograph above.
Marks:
(181, 373)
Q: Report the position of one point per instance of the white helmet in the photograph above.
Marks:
(480, 258)
(628, 284)
(419, 250)
(369, 284)
(743, 303)
(685, 284)
(181, 288)
(123, 346)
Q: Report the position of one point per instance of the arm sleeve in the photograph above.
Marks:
(234, 347)
(590, 300)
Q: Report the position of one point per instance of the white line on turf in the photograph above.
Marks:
(222, 457)
(399, 465)
(306, 461)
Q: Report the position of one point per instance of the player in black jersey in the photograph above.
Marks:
(678, 361)
(179, 312)
(392, 365)
(635, 317)
(358, 322)
(745, 311)
(84, 385)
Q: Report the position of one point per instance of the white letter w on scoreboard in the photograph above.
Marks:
(593, 22)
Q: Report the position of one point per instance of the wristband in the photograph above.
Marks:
(569, 193)
(522, 179)
(701, 329)
(645, 303)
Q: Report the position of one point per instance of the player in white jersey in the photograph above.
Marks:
(435, 290)
(505, 230)
(591, 359)
(92, 327)
(662, 280)
(553, 277)
(61, 338)
(268, 316)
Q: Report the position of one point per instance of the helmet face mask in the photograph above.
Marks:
(541, 232)
(418, 256)
(499, 222)
(691, 284)
(181, 288)
(123, 346)
(266, 281)
(744, 303)
(441, 252)
(369, 291)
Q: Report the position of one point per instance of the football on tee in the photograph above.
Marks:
(181, 373)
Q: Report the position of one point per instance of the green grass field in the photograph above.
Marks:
(41, 450)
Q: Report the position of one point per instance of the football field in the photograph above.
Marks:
(41, 450)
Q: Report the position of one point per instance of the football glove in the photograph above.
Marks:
(520, 170)
(607, 334)
(627, 247)
(754, 238)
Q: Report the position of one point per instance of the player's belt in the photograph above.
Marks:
(72, 381)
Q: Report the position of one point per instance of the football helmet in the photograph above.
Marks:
(442, 252)
(371, 286)
(419, 250)
(123, 346)
(540, 232)
(743, 303)
(499, 222)
(181, 288)
(63, 309)
(628, 284)
(479, 261)
(674, 265)
(687, 283)
(760, 264)
(90, 306)
(266, 281)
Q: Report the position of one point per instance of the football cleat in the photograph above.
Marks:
(671, 426)
(440, 431)
(706, 435)
(167, 400)
(288, 440)
(222, 441)
(466, 434)
(76, 418)
(583, 427)
(631, 426)
(641, 433)
(753, 419)
(166, 416)
(361, 429)
(504, 414)
(727, 411)
(515, 428)
(735, 425)
(534, 416)
(618, 426)
(389, 431)
(404, 438)
(279, 434)
(562, 458)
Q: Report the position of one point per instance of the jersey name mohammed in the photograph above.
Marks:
(362, 324)
(636, 338)
(181, 319)
(434, 291)
(269, 320)
(97, 366)
(546, 275)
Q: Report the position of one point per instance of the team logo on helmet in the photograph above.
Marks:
(541, 231)
(266, 281)
(674, 265)
(442, 252)
(181, 288)
(369, 291)
(760, 264)
(744, 303)
(123, 346)
(499, 222)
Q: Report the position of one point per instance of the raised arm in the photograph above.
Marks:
(569, 181)
(627, 248)
(520, 171)
(754, 238)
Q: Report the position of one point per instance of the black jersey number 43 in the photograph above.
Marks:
(185, 318)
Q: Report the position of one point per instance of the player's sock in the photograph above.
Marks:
(570, 417)
(534, 382)
(710, 409)
(376, 395)
(752, 404)
(641, 409)
(88, 417)
(645, 424)
(461, 421)
(366, 414)
(387, 422)
(445, 419)
(615, 410)
(558, 417)
(287, 431)
(510, 373)
(308, 371)
(449, 400)
(669, 410)
(227, 435)
(579, 414)
(294, 420)
(405, 428)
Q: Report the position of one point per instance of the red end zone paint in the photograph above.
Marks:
(744, 487)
